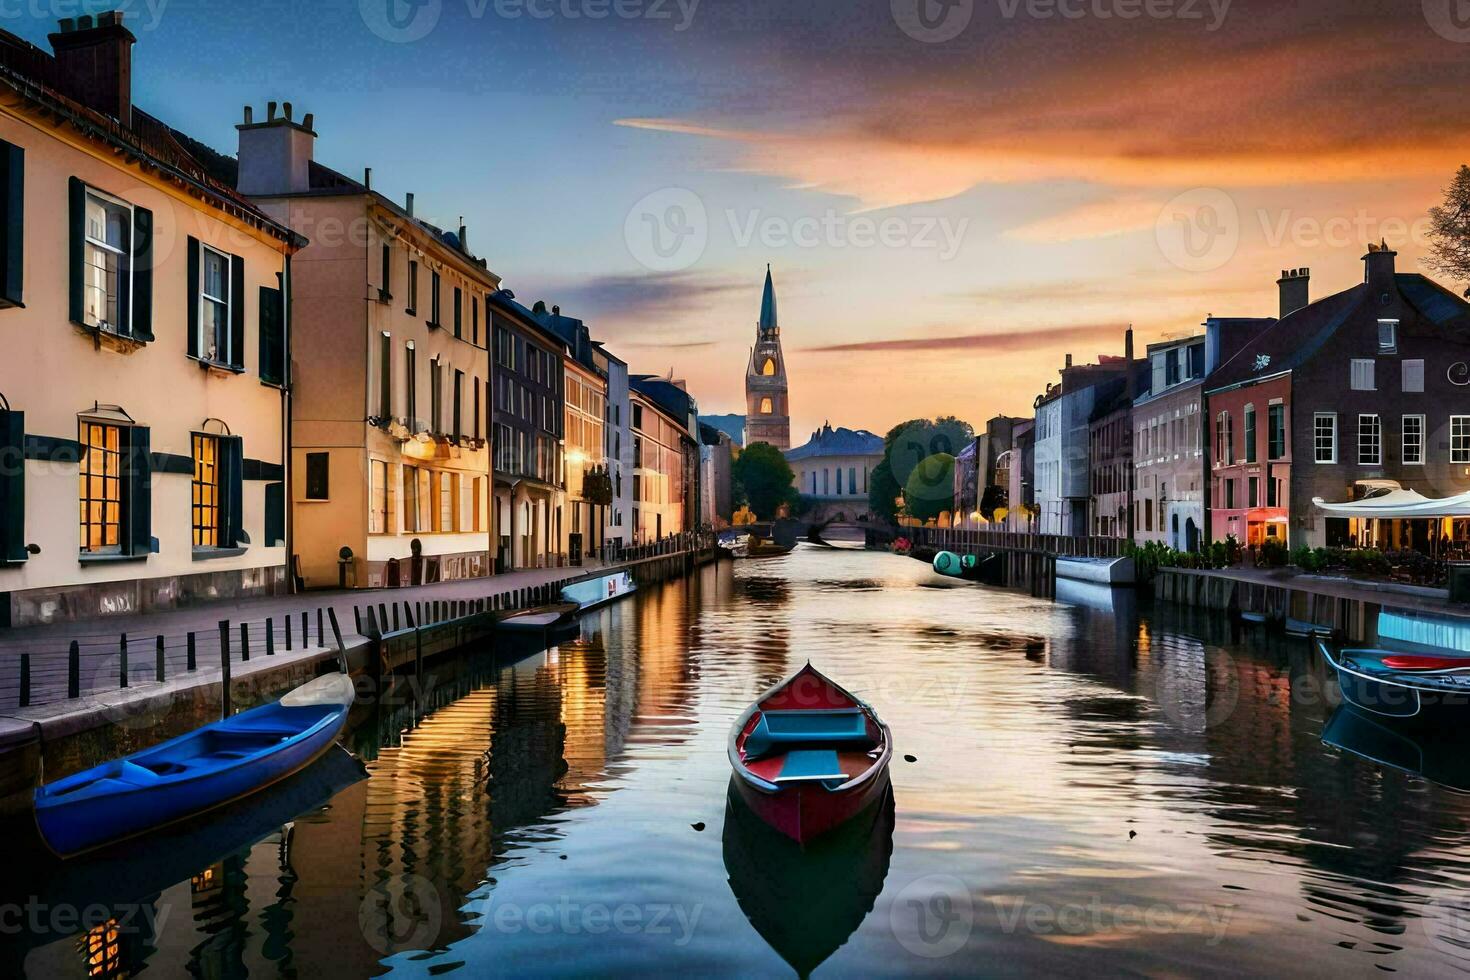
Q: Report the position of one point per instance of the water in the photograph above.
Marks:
(1093, 788)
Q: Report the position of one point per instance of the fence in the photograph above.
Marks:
(1056, 545)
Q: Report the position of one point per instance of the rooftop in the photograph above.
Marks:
(828, 441)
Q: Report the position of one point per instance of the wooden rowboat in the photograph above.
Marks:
(808, 755)
(198, 771)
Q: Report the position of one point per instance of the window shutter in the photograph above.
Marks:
(140, 492)
(142, 274)
(193, 287)
(275, 514)
(272, 336)
(232, 478)
(237, 312)
(78, 194)
(12, 248)
(12, 486)
(458, 312)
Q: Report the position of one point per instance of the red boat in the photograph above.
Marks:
(808, 756)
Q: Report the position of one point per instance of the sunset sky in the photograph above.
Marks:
(951, 198)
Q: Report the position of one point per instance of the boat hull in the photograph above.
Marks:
(1426, 700)
(806, 811)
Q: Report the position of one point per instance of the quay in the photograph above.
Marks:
(153, 677)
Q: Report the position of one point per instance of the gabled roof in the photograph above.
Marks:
(505, 301)
(828, 441)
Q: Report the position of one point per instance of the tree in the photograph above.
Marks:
(765, 479)
(929, 491)
(883, 491)
(995, 498)
(1449, 230)
(910, 443)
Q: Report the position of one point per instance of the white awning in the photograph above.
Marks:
(1398, 505)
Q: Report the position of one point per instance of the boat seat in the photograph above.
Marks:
(810, 765)
(779, 730)
(1412, 662)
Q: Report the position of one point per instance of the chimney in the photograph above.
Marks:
(464, 237)
(275, 155)
(1378, 266)
(1130, 385)
(94, 61)
(1294, 292)
(1069, 360)
(408, 204)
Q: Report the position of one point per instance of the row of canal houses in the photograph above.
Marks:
(225, 373)
(1233, 432)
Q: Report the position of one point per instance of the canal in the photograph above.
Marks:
(1077, 787)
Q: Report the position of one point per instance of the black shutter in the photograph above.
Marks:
(458, 312)
(12, 486)
(78, 194)
(275, 514)
(193, 299)
(12, 248)
(272, 336)
(139, 501)
(142, 274)
(237, 312)
(232, 479)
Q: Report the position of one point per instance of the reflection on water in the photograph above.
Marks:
(1095, 787)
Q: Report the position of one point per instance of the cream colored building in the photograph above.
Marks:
(390, 432)
(142, 391)
(658, 471)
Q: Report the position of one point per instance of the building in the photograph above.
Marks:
(617, 527)
(673, 399)
(767, 409)
(588, 478)
(732, 425)
(528, 417)
(143, 392)
(1110, 465)
(716, 461)
(832, 468)
(978, 487)
(1168, 447)
(661, 484)
(1334, 398)
(1016, 468)
(389, 431)
(1063, 475)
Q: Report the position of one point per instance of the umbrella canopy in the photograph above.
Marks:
(1399, 504)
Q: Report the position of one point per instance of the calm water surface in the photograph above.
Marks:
(1092, 789)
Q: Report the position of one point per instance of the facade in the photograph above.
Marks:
(143, 392)
(1364, 386)
(1110, 465)
(528, 418)
(660, 489)
(618, 433)
(716, 459)
(1169, 447)
(390, 430)
(587, 473)
(767, 409)
(676, 404)
(977, 476)
(1018, 466)
(832, 468)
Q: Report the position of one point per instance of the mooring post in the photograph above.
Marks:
(158, 660)
(305, 632)
(189, 659)
(224, 664)
(244, 641)
(270, 637)
(321, 634)
(74, 671)
(341, 648)
(356, 619)
(122, 661)
(287, 620)
(25, 680)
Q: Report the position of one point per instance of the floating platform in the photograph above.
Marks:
(1104, 571)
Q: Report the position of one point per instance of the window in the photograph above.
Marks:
(1273, 492)
(107, 269)
(455, 426)
(1250, 433)
(458, 312)
(12, 228)
(1412, 438)
(1388, 336)
(1370, 441)
(272, 336)
(101, 489)
(476, 430)
(1324, 437)
(766, 407)
(475, 320)
(214, 305)
(1224, 440)
(1460, 438)
(1229, 494)
(436, 396)
(385, 290)
(446, 502)
(434, 299)
(411, 381)
(476, 505)
(769, 368)
(1253, 492)
(411, 499)
(1413, 375)
(377, 497)
(1362, 374)
(413, 288)
(1276, 432)
(385, 376)
(206, 492)
(317, 481)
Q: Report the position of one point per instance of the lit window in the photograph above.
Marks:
(206, 509)
(1413, 440)
(106, 268)
(411, 499)
(1370, 441)
(769, 369)
(1324, 437)
(101, 488)
(766, 406)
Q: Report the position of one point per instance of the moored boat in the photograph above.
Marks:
(758, 547)
(808, 755)
(1418, 688)
(198, 771)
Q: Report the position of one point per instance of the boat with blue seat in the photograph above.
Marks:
(1419, 674)
(808, 755)
(198, 771)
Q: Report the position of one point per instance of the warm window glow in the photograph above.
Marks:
(101, 487)
(769, 369)
(206, 492)
(766, 407)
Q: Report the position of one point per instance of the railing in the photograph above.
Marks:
(1081, 546)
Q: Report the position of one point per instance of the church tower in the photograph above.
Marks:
(767, 414)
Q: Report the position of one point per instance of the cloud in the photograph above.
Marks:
(1014, 342)
(618, 297)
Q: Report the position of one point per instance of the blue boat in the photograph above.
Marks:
(199, 771)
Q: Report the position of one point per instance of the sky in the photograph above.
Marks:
(952, 194)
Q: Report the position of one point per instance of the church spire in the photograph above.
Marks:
(768, 323)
